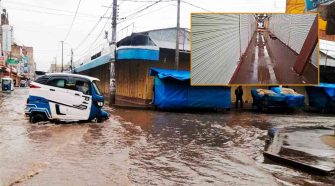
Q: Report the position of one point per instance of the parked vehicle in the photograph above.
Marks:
(66, 97)
(7, 84)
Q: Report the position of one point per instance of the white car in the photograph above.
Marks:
(68, 97)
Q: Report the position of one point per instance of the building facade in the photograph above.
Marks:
(136, 54)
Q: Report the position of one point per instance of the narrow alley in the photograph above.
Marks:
(269, 61)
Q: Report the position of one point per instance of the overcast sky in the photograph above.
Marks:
(42, 24)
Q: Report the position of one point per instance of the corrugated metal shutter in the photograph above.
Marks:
(292, 29)
(300, 26)
(252, 25)
(280, 26)
(244, 32)
(215, 48)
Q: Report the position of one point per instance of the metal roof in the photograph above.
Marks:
(73, 75)
(327, 47)
(326, 60)
(165, 38)
(94, 63)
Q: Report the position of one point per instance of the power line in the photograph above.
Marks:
(47, 8)
(97, 36)
(144, 1)
(74, 18)
(44, 12)
(141, 10)
(90, 32)
(147, 13)
(196, 6)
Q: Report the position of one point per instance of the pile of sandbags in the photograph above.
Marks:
(289, 91)
(265, 92)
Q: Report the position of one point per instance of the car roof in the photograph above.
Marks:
(73, 75)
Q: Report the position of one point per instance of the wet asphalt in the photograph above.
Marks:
(142, 147)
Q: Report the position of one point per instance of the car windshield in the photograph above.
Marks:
(6, 81)
(96, 88)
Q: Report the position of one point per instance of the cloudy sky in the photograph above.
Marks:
(42, 24)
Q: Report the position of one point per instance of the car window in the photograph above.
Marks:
(42, 80)
(96, 88)
(57, 82)
(71, 84)
(82, 86)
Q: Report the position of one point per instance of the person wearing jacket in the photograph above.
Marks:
(239, 96)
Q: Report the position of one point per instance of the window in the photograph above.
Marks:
(57, 82)
(42, 80)
(82, 86)
(96, 88)
(71, 84)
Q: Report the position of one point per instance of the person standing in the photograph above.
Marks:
(239, 96)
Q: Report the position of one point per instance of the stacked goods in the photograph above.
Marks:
(265, 92)
(277, 97)
(288, 91)
(293, 99)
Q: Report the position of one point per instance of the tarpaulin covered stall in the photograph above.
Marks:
(277, 97)
(172, 90)
(322, 96)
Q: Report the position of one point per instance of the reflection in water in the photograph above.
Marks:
(141, 147)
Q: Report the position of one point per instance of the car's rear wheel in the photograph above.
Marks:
(37, 117)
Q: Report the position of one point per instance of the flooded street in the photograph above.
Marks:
(140, 147)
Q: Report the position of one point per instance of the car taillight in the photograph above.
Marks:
(34, 86)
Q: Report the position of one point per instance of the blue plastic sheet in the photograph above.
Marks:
(322, 96)
(277, 99)
(181, 75)
(172, 91)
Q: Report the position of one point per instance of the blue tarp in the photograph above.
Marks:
(161, 73)
(277, 99)
(322, 96)
(172, 90)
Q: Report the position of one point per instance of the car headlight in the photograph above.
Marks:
(100, 103)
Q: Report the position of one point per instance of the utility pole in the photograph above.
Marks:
(71, 59)
(114, 21)
(62, 55)
(55, 70)
(177, 36)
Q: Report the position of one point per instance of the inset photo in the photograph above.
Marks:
(254, 49)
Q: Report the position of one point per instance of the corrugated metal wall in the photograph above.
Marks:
(291, 29)
(218, 41)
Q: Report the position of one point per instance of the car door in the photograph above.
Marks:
(81, 99)
(58, 97)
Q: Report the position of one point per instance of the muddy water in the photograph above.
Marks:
(136, 147)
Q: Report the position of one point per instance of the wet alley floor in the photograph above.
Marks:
(269, 61)
(142, 147)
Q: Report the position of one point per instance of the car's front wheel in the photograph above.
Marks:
(37, 117)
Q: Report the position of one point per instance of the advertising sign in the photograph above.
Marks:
(7, 38)
(312, 4)
(12, 61)
(2, 60)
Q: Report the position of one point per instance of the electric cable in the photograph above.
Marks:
(74, 18)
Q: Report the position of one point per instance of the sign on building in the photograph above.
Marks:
(312, 4)
(7, 38)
